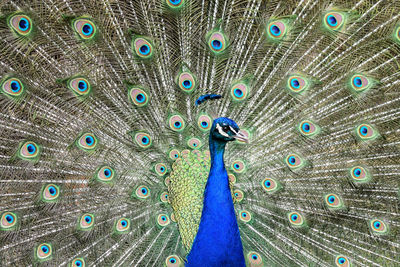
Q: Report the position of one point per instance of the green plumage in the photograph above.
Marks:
(188, 180)
(98, 119)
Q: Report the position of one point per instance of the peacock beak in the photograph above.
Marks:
(241, 137)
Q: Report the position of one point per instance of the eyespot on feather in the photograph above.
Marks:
(78, 262)
(164, 197)
(378, 227)
(142, 192)
(173, 217)
(80, 86)
(238, 166)
(277, 30)
(9, 221)
(239, 91)
(138, 96)
(296, 219)
(333, 201)
(176, 123)
(245, 216)
(12, 87)
(334, 21)
(254, 259)
(143, 139)
(50, 193)
(163, 220)
(342, 261)
(21, 24)
(308, 128)
(270, 185)
(294, 161)
(194, 143)
(231, 178)
(160, 169)
(142, 47)
(360, 83)
(238, 195)
(217, 42)
(87, 142)
(43, 252)
(186, 81)
(173, 261)
(85, 28)
(174, 154)
(297, 84)
(366, 132)
(204, 122)
(360, 174)
(105, 174)
(86, 222)
(122, 225)
(167, 181)
(29, 150)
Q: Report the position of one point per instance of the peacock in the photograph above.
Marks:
(200, 133)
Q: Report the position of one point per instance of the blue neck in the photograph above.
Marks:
(217, 242)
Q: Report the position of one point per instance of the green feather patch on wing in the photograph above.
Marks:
(187, 183)
(186, 187)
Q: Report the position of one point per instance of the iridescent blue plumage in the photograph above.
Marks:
(206, 97)
(218, 240)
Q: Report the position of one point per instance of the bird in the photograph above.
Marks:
(199, 133)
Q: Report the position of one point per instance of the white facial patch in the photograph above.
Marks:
(233, 130)
(219, 128)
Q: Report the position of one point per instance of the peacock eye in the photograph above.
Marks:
(85, 28)
(79, 262)
(142, 192)
(342, 261)
(333, 201)
(86, 221)
(8, 221)
(225, 128)
(105, 174)
(254, 259)
(176, 123)
(43, 252)
(142, 47)
(80, 86)
(12, 87)
(186, 81)
(378, 227)
(160, 169)
(194, 143)
(122, 225)
(163, 220)
(172, 261)
(138, 96)
(239, 91)
(217, 41)
(334, 20)
(21, 24)
(276, 30)
(50, 193)
(29, 151)
(143, 139)
(366, 132)
(87, 142)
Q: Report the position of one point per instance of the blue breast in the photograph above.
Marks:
(217, 242)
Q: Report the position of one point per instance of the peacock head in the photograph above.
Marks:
(225, 130)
